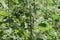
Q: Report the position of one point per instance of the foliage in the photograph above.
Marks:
(15, 19)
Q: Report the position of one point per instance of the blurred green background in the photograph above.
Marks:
(20, 18)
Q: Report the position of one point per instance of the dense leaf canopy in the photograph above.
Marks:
(21, 19)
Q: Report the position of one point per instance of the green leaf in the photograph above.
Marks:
(16, 31)
(54, 16)
(4, 13)
(3, 4)
(42, 24)
(15, 1)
